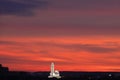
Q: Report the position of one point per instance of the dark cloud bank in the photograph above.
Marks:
(20, 7)
(26, 7)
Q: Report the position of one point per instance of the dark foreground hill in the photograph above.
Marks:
(65, 76)
(5, 74)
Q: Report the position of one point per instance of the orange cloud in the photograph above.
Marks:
(85, 54)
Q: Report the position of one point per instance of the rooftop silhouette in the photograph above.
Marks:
(3, 69)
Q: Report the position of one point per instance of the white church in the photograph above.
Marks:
(54, 73)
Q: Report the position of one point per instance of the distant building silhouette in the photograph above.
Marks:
(3, 69)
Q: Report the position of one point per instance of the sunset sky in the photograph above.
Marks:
(78, 35)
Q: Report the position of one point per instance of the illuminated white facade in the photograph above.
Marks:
(54, 73)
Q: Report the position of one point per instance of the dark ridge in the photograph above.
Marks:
(5, 74)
